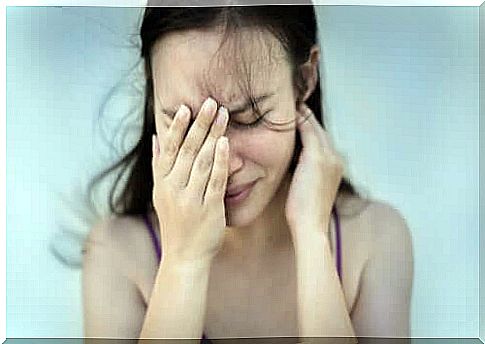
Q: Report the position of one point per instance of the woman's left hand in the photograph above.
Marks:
(316, 179)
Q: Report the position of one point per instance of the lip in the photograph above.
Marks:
(238, 194)
(233, 191)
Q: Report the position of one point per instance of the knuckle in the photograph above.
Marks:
(183, 203)
(217, 183)
(205, 163)
(179, 124)
(187, 202)
(215, 132)
(199, 125)
(189, 149)
(171, 148)
(204, 121)
(172, 185)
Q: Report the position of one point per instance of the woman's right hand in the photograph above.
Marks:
(189, 182)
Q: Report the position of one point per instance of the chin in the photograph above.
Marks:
(248, 213)
(239, 218)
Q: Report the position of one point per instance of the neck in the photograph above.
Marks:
(267, 233)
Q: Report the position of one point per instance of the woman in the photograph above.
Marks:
(235, 185)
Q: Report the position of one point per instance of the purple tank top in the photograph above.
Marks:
(337, 240)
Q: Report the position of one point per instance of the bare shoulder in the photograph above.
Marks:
(125, 240)
(113, 303)
(372, 229)
(114, 231)
(381, 248)
(351, 206)
(389, 223)
(376, 217)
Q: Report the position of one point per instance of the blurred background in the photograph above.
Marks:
(401, 91)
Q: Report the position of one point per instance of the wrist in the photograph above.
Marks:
(310, 233)
(186, 266)
(311, 243)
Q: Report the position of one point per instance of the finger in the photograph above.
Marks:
(162, 123)
(327, 142)
(155, 160)
(154, 157)
(204, 161)
(216, 186)
(170, 144)
(193, 142)
(308, 133)
(320, 131)
(317, 129)
(155, 146)
(162, 120)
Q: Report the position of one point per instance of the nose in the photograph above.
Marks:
(235, 160)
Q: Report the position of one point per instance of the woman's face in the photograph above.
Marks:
(188, 67)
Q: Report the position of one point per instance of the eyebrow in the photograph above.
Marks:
(249, 104)
(235, 111)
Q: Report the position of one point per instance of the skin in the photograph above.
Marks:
(265, 237)
(255, 154)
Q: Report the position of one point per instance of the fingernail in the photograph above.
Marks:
(221, 116)
(184, 111)
(209, 104)
(224, 142)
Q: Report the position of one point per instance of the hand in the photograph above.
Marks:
(316, 178)
(190, 177)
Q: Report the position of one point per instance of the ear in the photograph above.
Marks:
(309, 71)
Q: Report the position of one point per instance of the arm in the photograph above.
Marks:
(322, 310)
(178, 302)
(113, 306)
(383, 305)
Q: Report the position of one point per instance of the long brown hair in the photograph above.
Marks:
(294, 26)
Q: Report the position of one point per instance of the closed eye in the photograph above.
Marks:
(245, 126)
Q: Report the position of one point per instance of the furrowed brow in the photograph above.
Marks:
(249, 104)
(241, 109)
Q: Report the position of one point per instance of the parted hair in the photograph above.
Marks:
(295, 26)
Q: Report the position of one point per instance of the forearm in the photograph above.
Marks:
(322, 310)
(178, 301)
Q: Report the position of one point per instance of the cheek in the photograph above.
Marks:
(271, 149)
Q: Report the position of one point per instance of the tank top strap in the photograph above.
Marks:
(153, 235)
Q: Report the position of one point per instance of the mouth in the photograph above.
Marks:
(237, 194)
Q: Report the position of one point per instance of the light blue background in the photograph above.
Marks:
(482, 176)
(402, 107)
